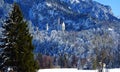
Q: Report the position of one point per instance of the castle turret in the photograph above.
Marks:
(63, 26)
(47, 27)
(58, 26)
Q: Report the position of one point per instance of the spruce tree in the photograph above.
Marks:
(17, 43)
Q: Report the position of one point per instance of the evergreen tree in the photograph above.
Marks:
(18, 48)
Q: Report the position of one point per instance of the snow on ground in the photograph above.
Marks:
(114, 70)
(65, 70)
(76, 70)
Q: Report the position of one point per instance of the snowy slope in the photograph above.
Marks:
(65, 70)
(83, 19)
(77, 14)
(81, 44)
(76, 70)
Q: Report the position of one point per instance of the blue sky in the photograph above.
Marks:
(115, 5)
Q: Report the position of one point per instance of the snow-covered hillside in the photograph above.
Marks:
(76, 70)
(85, 46)
(77, 14)
(91, 32)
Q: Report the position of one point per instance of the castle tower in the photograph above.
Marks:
(47, 27)
(63, 26)
(58, 26)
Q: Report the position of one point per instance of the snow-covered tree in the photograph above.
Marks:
(17, 43)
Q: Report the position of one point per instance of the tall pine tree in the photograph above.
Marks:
(17, 43)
